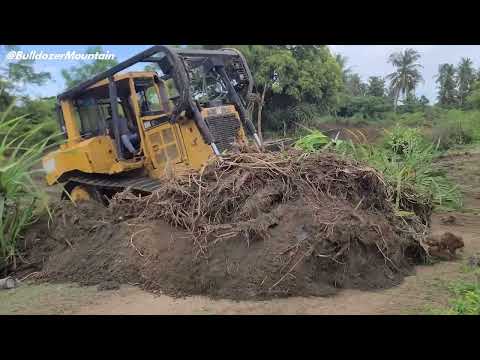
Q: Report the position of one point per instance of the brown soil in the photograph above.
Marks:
(464, 169)
(420, 293)
(417, 294)
(253, 226)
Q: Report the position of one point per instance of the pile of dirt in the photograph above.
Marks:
(251, 225)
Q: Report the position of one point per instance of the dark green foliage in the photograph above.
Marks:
(473, 99)
(376, 86)
(290, 76)
(465, 79)
(413, 104)
(365, 106)
(355, 87)
(447, 91)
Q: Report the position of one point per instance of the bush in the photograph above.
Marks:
(456, 127)
(412, 119)
(465, 295)
(467, 298)
(313, 141)
(283, 120)
(405, 158)
(473, 100)
(364, 106)
(403, 140)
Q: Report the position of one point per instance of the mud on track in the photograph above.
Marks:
(251, 226)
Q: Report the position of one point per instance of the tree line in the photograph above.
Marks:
(294, 84)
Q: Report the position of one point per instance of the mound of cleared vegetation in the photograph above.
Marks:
(252, 225)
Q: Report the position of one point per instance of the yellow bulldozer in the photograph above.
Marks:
(129, 129)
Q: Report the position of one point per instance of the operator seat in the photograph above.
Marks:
(130, 141)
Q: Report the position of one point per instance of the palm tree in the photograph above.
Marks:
(342, 61)
(447, 92)
(465, 78)
(355, 86)
(407, 75)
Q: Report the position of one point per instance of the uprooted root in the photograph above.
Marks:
(340, 209)
(233, 193)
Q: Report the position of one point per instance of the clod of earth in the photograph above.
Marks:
(449, 219)
(444, 246)
(250, 226)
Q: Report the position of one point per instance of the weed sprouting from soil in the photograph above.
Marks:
(464, 296)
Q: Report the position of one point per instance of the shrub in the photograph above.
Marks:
(456, 127)
(364, 106)
(467, 298)
(412, 119)
(404, 140)
(313, 141)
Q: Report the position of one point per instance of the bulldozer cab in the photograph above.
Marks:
(191, 108)
(141, 98)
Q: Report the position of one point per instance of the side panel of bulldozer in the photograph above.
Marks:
(180, 147)
(198, 152)
(95, 155)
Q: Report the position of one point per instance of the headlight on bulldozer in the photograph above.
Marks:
(48, 165)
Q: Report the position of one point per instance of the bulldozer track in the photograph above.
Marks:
(142, 183)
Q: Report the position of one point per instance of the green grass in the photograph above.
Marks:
(464, 296)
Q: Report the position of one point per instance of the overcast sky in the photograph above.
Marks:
(366, 60)
(371, 60)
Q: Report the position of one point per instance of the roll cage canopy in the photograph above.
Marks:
(179, 64)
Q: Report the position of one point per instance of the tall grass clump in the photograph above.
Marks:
(406, 160)
(456, 127)
(20, 197)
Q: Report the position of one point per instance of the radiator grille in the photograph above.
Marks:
(224, 129)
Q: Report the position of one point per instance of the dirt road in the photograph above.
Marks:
(417, 294)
